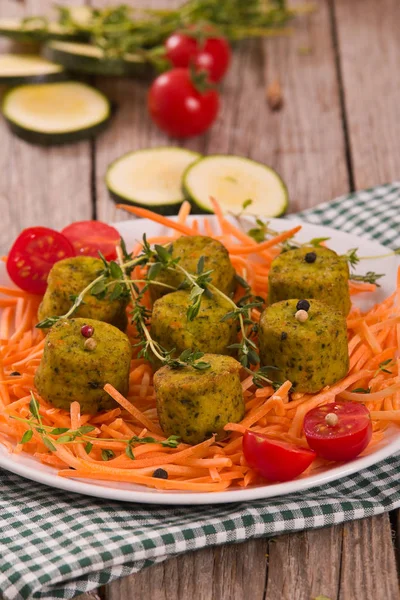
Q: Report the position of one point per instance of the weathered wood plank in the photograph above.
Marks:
(40, 186)
(132, 128)
(369, 47)
(304, 141)
(233, 572)
(368, 568)
(304, 566)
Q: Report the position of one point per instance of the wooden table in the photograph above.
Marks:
(339, 130)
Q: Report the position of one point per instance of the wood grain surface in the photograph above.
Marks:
(40, 186)
(339, 129)
(368, 49)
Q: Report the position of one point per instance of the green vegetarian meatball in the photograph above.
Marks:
(171, 329)
(311, 354)
(76, 368)
(189, 249)
(309, 272)
(68, 278)
(195, 404)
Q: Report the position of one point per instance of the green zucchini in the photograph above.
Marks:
(56, 113)
(28, 68)
(233, 181)
(86, 58)
(150, 178)
(35, 30)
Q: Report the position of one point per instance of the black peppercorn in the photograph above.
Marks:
(160, 474)
(303, 305)
(310, 257)
(15, 374)
(283, 336)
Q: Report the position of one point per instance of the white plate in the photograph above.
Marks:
(133, 230)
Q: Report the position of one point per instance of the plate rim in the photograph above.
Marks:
(48, 477)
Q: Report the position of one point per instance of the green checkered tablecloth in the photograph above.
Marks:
(57, 545)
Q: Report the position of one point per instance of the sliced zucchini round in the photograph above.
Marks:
(233, 180)
(151, 178)
(56, 113)
(86, 58)
(35, 30)
(28, 68)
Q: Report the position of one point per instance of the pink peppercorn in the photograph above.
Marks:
(87, 331)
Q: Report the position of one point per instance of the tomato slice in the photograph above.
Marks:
(338, 431)
(33, 254)
(88, 237)
(275, 460)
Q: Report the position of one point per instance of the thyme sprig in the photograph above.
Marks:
(261, 378)
(106, 284)
(263, 230)
(140, 315)
(65, 435)
(119, 30)
(200, 284)
(382, 367)
(114, 282)
(369, 277)
(35, 424)
(189, 358)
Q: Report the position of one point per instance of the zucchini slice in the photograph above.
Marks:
(28, 68)
(151, 178)
(86, 58)
(56, 113)
(35, 30)
(232, 180)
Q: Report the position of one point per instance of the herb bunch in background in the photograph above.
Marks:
(120, 30)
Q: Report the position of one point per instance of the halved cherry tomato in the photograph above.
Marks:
(338, 431)
(212, 54)
(33, 254)
(275, 460)
(88, 237)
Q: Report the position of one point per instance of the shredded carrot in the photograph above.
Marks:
(255, 249)
(147, 214)
(357, 287)
(213, 465)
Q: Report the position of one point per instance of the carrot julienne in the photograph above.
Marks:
(102, 445)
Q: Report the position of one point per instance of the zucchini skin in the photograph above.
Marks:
(57, 139)
(42, 78)
(41, 35)
(95, 66)
(167, 210)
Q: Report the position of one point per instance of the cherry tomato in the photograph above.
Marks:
(214, 57)
(88, 237)
(276, 461)
(178, 108)
(338, 431)
(212, 54)
(181, 49)
(33, 254)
